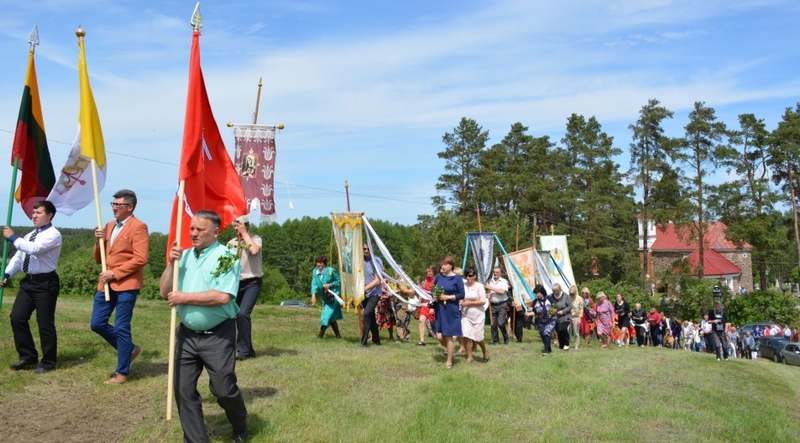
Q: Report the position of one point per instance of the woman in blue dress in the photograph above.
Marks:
(448, 314)
(545, 319)
(324, 278)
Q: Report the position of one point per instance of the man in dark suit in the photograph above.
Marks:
(127, 246)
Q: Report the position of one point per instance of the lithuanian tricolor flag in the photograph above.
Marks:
(30, 147)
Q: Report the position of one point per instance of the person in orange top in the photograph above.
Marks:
(127, 247)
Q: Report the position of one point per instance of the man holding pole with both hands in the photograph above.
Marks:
(205, 301)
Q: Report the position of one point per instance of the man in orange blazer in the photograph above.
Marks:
(127, 247)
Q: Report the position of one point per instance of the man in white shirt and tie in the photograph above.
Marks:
(37, 256)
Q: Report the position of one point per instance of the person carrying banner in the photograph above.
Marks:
(373, 268)
(37, 256)
(127, 248)
(497, 287)
(205, 301)
(250, 281)
(718, 318)
(323, 280)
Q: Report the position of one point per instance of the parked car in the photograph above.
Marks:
(294, 303)
(790, 355)
(750, 327)
(771, 347)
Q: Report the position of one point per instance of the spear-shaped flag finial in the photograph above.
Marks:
(33, 39)
(197, 18)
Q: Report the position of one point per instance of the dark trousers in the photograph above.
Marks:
(720, 340)
(370, 321)
(546, 339)
(640, 338)
(655, 336)
(499, 320)
(562, 330)
(214, 351)
(249, 290)
(519, 323)
(118, 336)
(36, 293)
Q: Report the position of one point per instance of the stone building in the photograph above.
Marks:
(723, 260)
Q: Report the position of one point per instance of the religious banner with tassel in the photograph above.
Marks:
(348, 236)
(254, 160)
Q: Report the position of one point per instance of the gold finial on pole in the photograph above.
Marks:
(33, 39)
(80, 32)
(197, 18)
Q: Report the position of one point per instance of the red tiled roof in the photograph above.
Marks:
(714, 265)
(669, 240)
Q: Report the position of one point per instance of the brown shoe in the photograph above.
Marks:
(136, 351)
(117, 379)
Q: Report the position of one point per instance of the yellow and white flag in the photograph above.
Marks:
(74, 189)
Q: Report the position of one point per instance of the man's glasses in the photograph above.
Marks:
(119, 205)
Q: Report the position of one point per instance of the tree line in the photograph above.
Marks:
(575, 187)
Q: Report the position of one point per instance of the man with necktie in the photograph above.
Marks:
(37, 256)
(127, 247)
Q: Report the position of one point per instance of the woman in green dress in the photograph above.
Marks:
(324, 278)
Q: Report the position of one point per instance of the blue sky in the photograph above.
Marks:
(367, 89)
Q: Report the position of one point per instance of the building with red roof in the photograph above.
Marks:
(722, 259)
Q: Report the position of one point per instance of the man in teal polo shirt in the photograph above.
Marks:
(205, 300)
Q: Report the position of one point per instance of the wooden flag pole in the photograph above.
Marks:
(102, 244)
(258, 100)
(8, 221)
(173, 316)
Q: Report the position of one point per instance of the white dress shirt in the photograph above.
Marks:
(44, 252)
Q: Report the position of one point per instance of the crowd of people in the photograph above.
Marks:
(459, 309)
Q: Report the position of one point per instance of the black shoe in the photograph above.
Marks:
(376, 343)
(239, 438)
(495, 343)
(43, 369)
(241, 357)
(505, 342)
(23, 364)
(363, 345)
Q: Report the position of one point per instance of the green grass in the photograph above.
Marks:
(304, 389)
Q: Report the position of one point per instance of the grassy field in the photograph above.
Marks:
(300, 388)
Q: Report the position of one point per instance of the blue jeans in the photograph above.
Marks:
(119, 335)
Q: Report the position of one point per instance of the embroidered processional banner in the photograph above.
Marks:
(524, 262)
(482, 245)
(559, 265)
(348, 237)
(255, 162)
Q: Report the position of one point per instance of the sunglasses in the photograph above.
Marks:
(470, 275)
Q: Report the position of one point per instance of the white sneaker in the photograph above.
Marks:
(566, 348)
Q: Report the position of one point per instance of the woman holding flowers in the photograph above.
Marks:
(448, 291)
(545, 312)
(324, 279)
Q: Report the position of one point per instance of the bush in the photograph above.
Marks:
(772, 306)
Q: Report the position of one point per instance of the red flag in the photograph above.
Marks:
(211, 180)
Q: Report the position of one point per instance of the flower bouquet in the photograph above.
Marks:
(436, 292)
